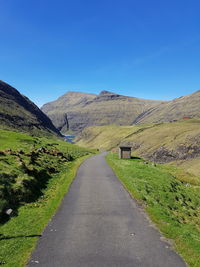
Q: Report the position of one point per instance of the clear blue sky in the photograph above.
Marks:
(147, 49)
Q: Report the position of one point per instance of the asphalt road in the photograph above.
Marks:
(98, 224)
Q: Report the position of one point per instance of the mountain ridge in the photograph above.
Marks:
(83, 110)
(18, 112)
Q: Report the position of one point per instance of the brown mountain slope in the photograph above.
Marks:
(17, 112)
(185, 106)
(77, 111)
(59, 111)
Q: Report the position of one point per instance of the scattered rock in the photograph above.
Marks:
(9, 212)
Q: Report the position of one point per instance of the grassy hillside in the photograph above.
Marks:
(35, 173)
(18, 113)
(147, 138)
(105, 137)
(190, 166)
(176, 143)
(76, 111)
(27, 163)
(172, 204)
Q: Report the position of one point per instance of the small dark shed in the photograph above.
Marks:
(124, 152)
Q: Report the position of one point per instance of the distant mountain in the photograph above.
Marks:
(17, 112)
(59, 111)
(76, 111)
(185, 106)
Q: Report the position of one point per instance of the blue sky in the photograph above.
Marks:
(147, 49)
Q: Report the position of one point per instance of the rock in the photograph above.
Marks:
(9, 212)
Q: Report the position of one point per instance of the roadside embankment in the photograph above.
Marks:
(173, 205)
(35, 175)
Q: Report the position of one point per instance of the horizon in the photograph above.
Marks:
(98, 93)
(139, 49)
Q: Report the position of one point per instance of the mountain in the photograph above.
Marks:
(185, 106)
(17, 112)
(76, 111)
(67, 109)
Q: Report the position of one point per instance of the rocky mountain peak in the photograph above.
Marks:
(104, 92)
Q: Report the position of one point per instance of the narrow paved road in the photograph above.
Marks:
(98, 225)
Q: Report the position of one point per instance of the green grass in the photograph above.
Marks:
(27, 164)
(18, 236)
(172, 204)
(35, 173)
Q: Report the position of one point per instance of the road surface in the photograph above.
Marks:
(99, 225)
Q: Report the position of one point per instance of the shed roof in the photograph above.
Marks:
(123, 146)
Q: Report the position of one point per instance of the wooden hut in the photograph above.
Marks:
(124, 152)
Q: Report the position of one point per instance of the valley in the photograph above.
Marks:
(99, 133)
(40, 156)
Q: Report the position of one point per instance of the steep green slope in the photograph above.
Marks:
(75, 111)
(26, 165)
(17, 112)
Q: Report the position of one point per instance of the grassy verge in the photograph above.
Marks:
(18, 236)
(172, 204)
(27, 164)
